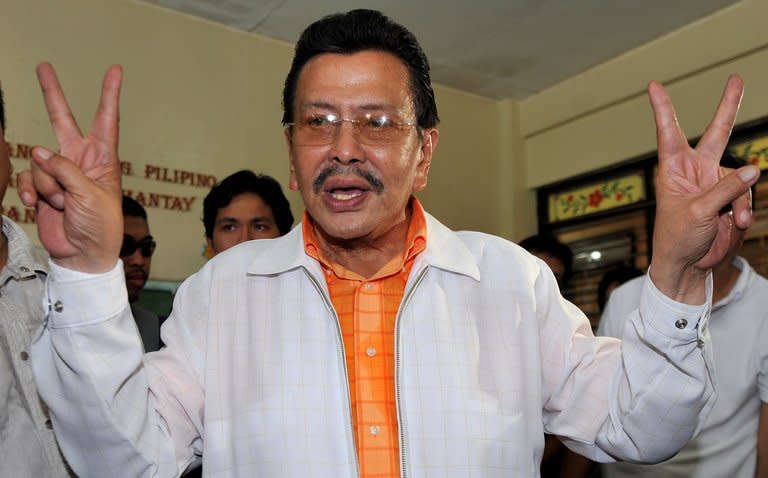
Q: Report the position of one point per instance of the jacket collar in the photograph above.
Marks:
(444, 251)
(24, 258)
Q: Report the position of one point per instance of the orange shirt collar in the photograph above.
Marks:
(415, 243)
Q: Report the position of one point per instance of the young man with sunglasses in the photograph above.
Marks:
(136, 254)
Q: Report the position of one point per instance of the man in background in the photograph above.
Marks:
(734, 440)
(612, 279)
(242, 207)
(136, 254)
(554, 253)
(27, 444)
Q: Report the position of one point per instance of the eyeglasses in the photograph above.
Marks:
(146, 246)
(372, 129)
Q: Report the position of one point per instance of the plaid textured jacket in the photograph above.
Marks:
(489, 357)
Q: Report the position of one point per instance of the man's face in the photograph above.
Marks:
(557, 267)
(136, 265)
(245, 218)
(5, 165)
(352, 190)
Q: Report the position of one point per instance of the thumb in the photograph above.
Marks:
(733, 190)
(55, 174)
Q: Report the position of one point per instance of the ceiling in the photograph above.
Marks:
(493, 48)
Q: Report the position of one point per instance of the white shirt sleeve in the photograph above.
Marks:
(658, 379)
(110, 404)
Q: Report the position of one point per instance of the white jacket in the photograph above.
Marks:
(489, 356)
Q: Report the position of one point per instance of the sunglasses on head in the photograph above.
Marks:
(146, 246)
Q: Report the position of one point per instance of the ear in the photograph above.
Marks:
(427, 150)
(293, 182)
(209, 252)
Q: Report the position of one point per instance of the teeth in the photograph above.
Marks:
(344, 196)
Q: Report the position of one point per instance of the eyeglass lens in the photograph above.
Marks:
(373, 131)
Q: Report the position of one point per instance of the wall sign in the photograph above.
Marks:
(148, 199)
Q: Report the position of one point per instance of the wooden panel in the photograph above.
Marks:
(582, 289)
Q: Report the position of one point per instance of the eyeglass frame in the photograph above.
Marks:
(356, 124)
(145, 245)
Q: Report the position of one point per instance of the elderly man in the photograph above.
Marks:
(371, 340)
(27, 444)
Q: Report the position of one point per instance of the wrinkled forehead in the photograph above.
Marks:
(365, 80)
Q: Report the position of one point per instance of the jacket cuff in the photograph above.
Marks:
(674, 319)
(76, 298)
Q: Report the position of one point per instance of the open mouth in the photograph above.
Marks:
(346, 194)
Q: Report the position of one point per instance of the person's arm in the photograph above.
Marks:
(611, 400)
(700, 207)
(762, 443)
(614, 400)
(114, 411)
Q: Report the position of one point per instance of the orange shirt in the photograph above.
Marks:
(367, 310)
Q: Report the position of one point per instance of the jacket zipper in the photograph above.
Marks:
(401, 422)
(341, 350)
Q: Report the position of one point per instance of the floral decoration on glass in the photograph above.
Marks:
(754, 151)
(594, 198)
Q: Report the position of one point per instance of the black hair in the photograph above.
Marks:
(356, 31)
(131, 207)
(245, 181)
(550, 245)
(620, 275)
(2, 110)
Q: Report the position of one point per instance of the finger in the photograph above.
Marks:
(733, 189)
(106, 122)
(669, 136)
(65, 172)
(63, 122)
(715, 138)
(742, 211)
(26, 188)
(44, 178)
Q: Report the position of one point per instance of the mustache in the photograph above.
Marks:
(376, 185)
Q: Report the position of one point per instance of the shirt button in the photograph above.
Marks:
(58, 306)
(371, 352)
(24, 355)
(24, 269)
(681, 323)
(375, 430)
(368, 286)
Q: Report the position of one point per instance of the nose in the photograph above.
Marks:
(346, 147)
(134, 258)
(246, 234)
